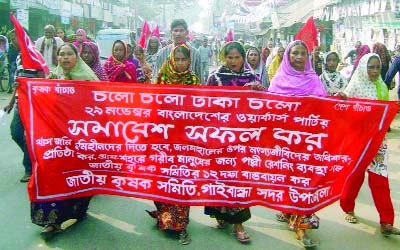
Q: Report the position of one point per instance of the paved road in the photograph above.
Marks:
(118, 223)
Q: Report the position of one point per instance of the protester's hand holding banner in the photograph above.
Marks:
(194, 145)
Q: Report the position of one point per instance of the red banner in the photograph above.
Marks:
(196, 145)
(30, 55)
(308, 34)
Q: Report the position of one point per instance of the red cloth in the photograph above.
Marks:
(308, 34)
(120, 72)
(156, 32)
(379, 186)
(144, 35)
(30, 55)
(229, 36)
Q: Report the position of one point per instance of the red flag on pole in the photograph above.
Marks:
(156, 32)
(229, 36)
(144, 35)
(30, 55)
(308, 34)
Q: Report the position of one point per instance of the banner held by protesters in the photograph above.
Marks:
(196, 146)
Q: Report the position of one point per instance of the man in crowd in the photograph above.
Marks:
(48, 46)
(205, 55)
(179, 33)
(353, 53)
(17, 130)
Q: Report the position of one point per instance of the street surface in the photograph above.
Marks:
(118, 223)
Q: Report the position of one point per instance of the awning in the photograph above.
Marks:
(297, 12)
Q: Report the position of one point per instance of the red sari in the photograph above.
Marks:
(117, 71)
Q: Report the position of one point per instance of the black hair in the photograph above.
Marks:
(185, 51)
(69, 45)
(336, 55)
(235, 45)
(61, 28)
(139, 49)
(298, 42)
(178, 22)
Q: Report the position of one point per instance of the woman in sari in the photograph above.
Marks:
(265, 54)
(80, 38)
(364, 49)
(117, 67)
(334, 81)
(144, 65)
(295, 76)
(234, 71)
(152, 48)
(51, 214)
(60, 32)
(90, 55)
(253, 58)
(175, 70)
(383, 53)
(367, 83)
(276, 62)
(131, 58)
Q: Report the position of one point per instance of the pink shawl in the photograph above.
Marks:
(289, 81)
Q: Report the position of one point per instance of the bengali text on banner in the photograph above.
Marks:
(196, 145)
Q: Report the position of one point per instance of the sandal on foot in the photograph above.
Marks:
(184, 238)
(282, 217)
(351, 218)
(243, 236)
(388, 229)
(306, 242)
(153, 214)
(221, 224)
(49, 231)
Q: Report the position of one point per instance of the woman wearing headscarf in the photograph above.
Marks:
(334, 81)
(295, 76)
(60, 32)
(117, 67)
(234, 71)
(175, 70)
(131, 58)
(90, 55)
(264, 54)
(152, 48)
(364, 49)
(253, 58)
(80, 38)
(383, 53)
(367, 83)
(276, 62)
(51, 214)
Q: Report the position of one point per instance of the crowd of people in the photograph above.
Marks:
(290, 70)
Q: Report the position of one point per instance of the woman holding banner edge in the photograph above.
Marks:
(367, 83)
(51, 214)
(175, 70)
(295, 76)
(233, 72)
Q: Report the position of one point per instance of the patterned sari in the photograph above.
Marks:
(58, 211)
(171, 216)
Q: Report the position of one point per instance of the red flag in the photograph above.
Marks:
(156, 32)
(308, 34)
(229, 36)
(144, 35)
(30, 55)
